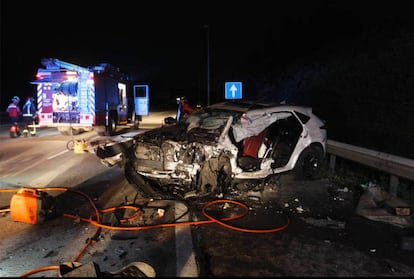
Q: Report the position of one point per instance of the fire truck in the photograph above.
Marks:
(75, 99)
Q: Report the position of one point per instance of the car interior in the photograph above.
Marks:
(277, 141)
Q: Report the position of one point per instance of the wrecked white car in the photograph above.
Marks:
(220, 147)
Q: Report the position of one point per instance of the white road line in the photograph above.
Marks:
(186, 263)
(58, 154)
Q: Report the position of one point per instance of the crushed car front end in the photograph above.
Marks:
(221, 145)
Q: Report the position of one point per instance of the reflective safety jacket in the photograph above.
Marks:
(13, 110)
(29, 109)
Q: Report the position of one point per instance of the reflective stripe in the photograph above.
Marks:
(13, 110)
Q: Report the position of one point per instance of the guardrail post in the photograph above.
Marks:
(332, 161)
(394, 182)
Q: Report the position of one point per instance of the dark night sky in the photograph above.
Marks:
(164, 43)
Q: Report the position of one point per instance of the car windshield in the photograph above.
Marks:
(244, 124)
(252, 123)
(210, 118)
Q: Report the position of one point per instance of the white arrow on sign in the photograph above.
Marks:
(233, 90)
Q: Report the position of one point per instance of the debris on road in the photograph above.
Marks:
(328, 222)
(374, 204)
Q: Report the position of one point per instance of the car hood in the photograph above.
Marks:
(180, 132)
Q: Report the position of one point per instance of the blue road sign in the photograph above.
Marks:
(233, 90)
(141, 99)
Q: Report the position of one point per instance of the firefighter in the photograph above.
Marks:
(14, 114)
(14, 110)
(185, 108)
(29, 115)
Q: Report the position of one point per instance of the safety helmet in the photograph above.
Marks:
(184, 99)
(16, 99)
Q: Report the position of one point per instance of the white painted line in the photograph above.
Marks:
(58, 154)
(186, 263)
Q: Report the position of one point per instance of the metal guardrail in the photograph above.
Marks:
(396, 166)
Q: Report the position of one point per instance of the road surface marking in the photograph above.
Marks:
(58, 154)
(186, 263)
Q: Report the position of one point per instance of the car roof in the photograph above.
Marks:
(252, 106)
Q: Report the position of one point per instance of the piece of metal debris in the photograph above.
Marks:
(329, 223)
(160, 212)
(300, 209)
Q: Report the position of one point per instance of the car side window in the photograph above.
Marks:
(302, 117)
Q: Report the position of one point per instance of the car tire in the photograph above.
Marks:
(111, 128)
(309, 163)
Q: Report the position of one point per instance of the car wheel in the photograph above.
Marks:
(111, 129)
(309, 163)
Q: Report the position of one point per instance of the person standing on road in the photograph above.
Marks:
(185, 108)
(29, 112)
(14, 110)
